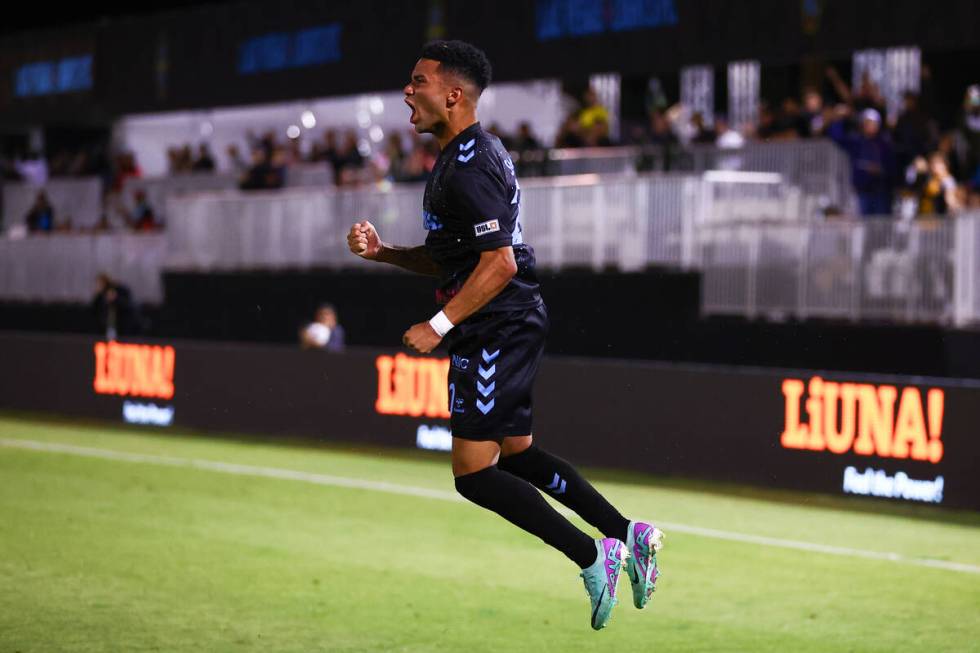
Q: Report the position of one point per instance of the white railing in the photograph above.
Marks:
(623, 222)
(63, 267)
(818, 167)
(160, 189)
(78, 200)
(757, 240)
(870, 269)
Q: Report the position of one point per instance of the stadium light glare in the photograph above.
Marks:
(308, 119)
(292, 131)
(376, 133)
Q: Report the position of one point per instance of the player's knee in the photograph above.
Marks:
(511, 446)
(474, 485)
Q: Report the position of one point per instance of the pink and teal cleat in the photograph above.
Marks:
(601, 579)
(642, 543)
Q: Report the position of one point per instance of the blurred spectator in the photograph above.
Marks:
(947, 147)
(702, 133)
(789, 123)
(103, 225)
(868, 95)
(41, 215)
(324, 333)
(33, 169)
(267, 142)
(592, 111)
(114, 308)
(204, 161)
(262, 175)
(766, 127)
(597, 135)
(293, 152)
(395, 156)
(727, 138)
(173, 160)
(660, 131)
(570, 133)
(525, 139)
(420, 160)
(914, 133)
(125, 167)
(498, 131)
(969, 130)
(236, 161)
(934, 187)
(327, 149)
(180, 159)
(872, 159)
(347, 161)
(142, 217)
(812, 120)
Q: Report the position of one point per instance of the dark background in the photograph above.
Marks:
(651, 315)
(147, 59)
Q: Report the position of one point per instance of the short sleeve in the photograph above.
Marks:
(485, 205)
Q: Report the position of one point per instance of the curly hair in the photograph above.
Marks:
(461, 58)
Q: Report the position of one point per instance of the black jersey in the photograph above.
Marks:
(471, 205)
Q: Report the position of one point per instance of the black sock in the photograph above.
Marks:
(558, 478)
(523, 506)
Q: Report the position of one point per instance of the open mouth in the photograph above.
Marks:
(415, 115)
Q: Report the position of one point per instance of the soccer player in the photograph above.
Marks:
(494, 323)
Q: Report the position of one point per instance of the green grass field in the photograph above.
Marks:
(133, 554)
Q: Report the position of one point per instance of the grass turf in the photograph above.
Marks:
(104, 555)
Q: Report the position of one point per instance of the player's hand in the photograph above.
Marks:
(422, 338)
(364, 241)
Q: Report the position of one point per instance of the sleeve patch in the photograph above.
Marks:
(487, 227)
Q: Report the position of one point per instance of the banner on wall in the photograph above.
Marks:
(899, 439)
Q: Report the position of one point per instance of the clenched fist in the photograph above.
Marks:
(422, 338)
(364, 241)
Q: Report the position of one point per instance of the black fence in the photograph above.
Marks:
(900, 438)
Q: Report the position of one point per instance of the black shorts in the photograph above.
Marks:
(493, 361)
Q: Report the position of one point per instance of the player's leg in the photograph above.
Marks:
(551, 474)
(521, 457)
(479, 480)
(493, 361)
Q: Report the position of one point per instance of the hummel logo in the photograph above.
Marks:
(484, 407)
(488, 357)
(465, 146)
(485, 372)
(485, 390)
(557, 485)
(466, 158)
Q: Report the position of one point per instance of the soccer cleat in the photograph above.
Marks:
(642, 543)
(601, 578)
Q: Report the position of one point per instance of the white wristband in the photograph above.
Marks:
(441, 324)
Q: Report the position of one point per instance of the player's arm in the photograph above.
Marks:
(364, 241)
(487, 202)
(491, 275)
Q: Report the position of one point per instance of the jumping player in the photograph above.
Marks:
(494, 323)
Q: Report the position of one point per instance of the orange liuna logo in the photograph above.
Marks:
(413, 386)
(862, 418)
(134, 370)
